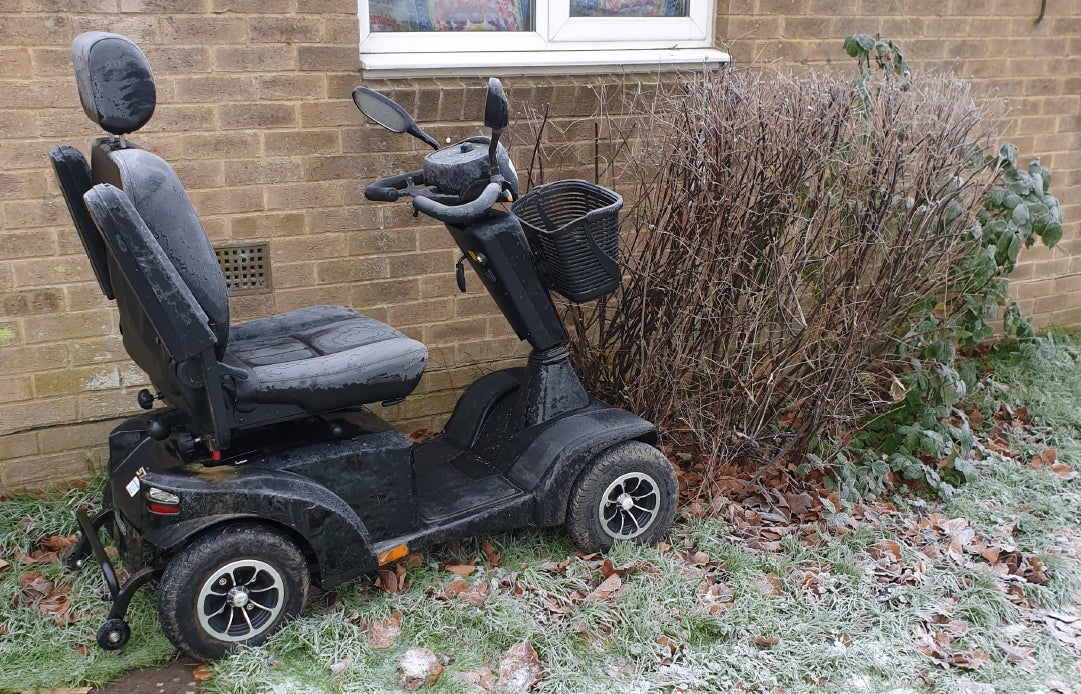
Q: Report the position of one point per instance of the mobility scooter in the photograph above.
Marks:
(264, 473)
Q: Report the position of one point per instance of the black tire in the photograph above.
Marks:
(235, 585)
(628, 492)
(113, 634)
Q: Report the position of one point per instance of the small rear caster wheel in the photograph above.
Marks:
(235, 585)
(113, 634)
(628, 492)
(73, 557)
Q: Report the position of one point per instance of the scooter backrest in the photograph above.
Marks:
(115, 83)
(159, 198)
(164, 328)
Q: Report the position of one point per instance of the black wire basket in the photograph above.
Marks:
(575, 227)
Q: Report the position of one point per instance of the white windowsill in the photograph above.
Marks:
(505, 63)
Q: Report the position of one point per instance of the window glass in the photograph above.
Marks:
(628, 8)
(450, 15)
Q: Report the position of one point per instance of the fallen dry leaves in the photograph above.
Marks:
(385, 632)
(520, 669)
(392, 579)
(420, 666)
(51, 598)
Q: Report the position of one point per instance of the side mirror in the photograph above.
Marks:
(389, 114)
(496, 106)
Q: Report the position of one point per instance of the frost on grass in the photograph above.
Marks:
(753, 594)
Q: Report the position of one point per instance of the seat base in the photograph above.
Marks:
(323, 358)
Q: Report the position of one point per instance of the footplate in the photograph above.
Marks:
(114, 632)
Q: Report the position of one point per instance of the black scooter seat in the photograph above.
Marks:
(323, 358)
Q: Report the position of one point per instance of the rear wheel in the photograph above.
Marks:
(238, 584)
(628, 492)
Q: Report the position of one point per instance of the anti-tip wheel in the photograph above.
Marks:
(113, 634)
(628, 492)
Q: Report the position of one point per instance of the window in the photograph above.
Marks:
(530, 35)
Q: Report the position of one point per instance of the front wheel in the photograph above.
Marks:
(238, 584)
(628, 492)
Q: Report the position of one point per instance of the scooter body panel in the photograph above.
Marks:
(287, 485)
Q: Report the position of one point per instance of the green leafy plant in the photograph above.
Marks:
(926, 435)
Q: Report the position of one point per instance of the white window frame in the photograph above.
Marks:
(558, 43)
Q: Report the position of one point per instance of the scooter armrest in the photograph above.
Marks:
(179, 321)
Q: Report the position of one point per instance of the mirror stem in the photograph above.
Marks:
(416, 132)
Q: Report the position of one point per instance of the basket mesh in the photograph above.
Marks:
(575, 227)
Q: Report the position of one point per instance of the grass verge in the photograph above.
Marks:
(906, 595)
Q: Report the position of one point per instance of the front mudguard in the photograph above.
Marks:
(327, 529)
(569, 444)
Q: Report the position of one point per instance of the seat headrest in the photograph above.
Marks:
(115, 84)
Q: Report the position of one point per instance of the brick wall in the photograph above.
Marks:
(254, 114)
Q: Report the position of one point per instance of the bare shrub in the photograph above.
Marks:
(783, 236)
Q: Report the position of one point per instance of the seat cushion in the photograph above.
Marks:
(324, 358)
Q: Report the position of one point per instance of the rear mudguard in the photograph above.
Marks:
(569, 444)
(329, 531)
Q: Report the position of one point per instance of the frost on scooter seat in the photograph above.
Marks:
(149, 252)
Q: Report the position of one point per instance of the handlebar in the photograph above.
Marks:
(459, 214)
(391, 188)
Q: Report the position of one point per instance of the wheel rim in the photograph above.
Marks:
(240, 600)
(629, 505)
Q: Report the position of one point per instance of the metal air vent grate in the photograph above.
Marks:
(246, 268)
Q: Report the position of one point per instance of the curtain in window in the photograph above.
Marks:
(501, 15)
(628, 8)
(450, 15)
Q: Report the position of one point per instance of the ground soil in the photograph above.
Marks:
(174, 678)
